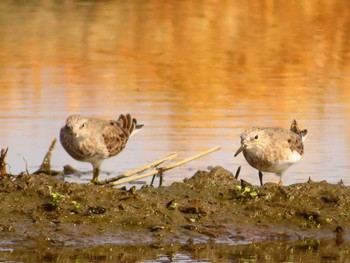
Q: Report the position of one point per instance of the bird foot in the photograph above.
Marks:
(95, 172)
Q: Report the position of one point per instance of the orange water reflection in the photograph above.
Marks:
(196, 73)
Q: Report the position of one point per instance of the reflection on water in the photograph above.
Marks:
(195, 73)
(299, 251)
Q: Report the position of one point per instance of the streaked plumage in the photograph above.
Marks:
(272, 149)
(93, 140)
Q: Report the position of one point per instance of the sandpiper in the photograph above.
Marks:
(94, 140)
(272, 149)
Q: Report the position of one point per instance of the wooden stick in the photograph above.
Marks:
(189, 159)
(45, 166)
(165, 168)
(139, 170)
(3, 162)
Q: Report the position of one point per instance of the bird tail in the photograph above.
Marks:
(129, 124)
(294, 127)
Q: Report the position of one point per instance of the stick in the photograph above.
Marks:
(165, 168)
(139, 170)
(3, 162)
(45, 166)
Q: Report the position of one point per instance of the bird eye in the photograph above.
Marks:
(256, 137)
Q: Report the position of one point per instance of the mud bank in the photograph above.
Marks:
(208, 206)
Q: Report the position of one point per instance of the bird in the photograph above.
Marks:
(272, 149)
(92, 140)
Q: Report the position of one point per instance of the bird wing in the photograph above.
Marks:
(116, 133)
(115, 138)
(286, 138)
(295, 142)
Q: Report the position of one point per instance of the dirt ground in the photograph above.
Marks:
(208, 206)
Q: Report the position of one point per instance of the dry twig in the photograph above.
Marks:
(45, 166)
(139, 170)
(161, 170)
(3, 162)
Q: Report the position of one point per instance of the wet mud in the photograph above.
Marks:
(277, 251)
(208, 207)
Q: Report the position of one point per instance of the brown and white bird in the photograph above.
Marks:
(93, 140)
(272, 149)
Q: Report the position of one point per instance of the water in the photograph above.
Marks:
(268, 252)
(196, 73)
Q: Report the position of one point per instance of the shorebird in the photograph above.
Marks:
(93, 140)
(272, 149)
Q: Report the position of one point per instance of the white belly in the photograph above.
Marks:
(271, 164)
(281, 166)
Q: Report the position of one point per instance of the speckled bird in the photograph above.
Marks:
(93, 140)
(272, 149)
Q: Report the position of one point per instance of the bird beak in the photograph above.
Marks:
(242, 148)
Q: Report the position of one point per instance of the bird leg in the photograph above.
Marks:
(95, 172)
(153, 177)
(237, 172)
(160, 177)
(261, 178)
(280, 183)
(160, 174)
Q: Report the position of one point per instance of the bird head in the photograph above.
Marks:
(76, 125)
(250, 139)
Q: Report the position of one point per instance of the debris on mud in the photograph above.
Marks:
(209, 205)
(3, 154)
(45, 167)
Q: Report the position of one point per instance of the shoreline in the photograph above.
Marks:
(209, 206)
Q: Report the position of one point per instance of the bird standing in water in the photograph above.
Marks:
(94, 140)
(272, 149)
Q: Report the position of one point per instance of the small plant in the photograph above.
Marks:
(344, 214)
(242, 192)
(55, 196)
(76, 205)
(328, 220)
(312, 222)
(76, 208)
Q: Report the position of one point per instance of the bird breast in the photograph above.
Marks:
(271, 161)
(82, 148)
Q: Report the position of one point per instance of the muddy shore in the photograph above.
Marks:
(208, 206)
